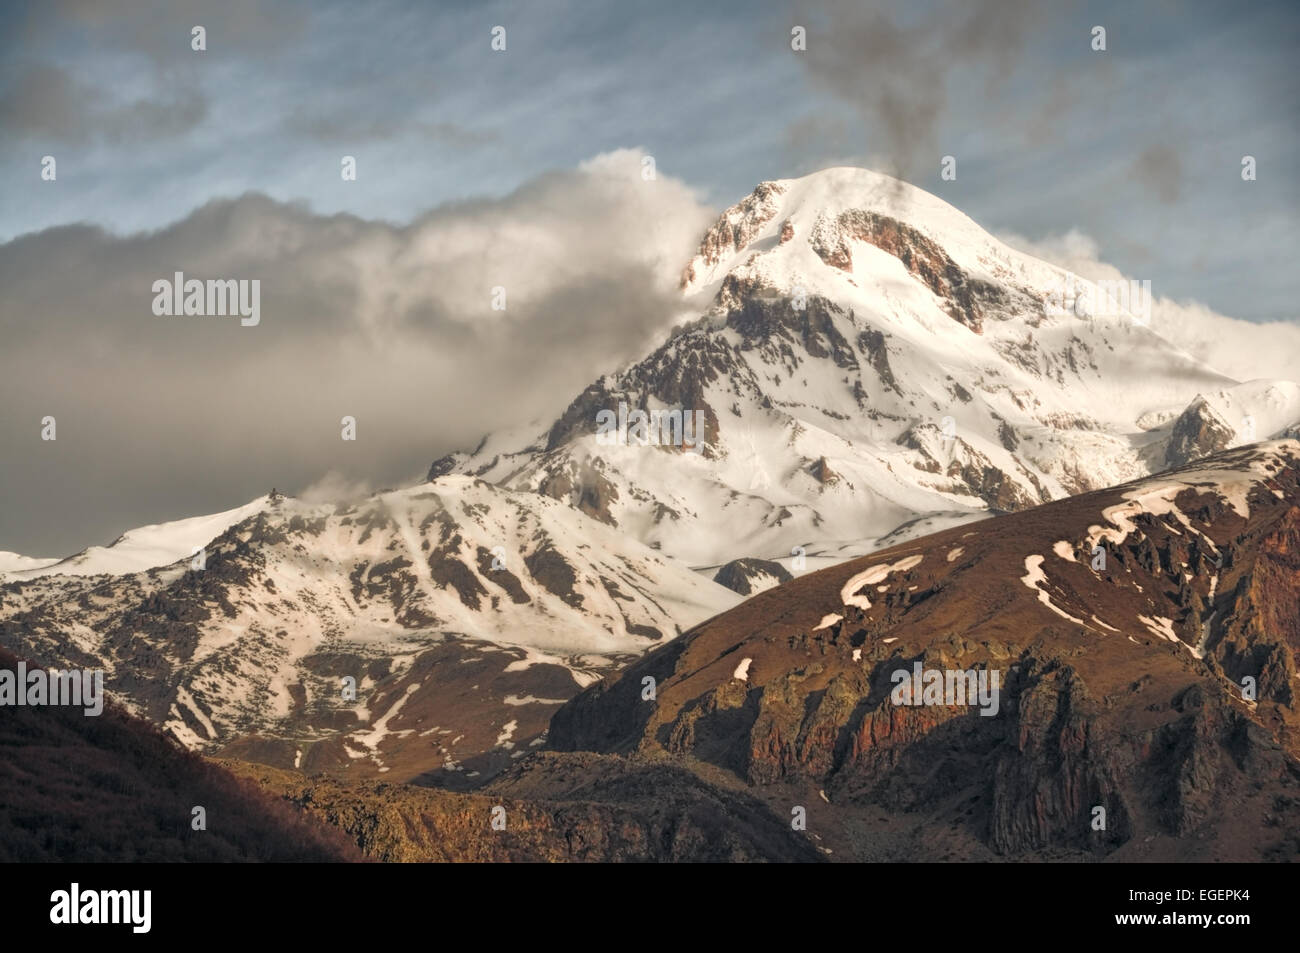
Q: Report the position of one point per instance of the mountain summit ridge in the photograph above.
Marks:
(854, 324)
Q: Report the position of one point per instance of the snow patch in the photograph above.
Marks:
(532, 700)
(1064, 550)
(849, 594)
(1034, 577)
(507, 732)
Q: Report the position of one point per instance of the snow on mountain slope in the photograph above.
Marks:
(517, 595)
(1257, 406)
(868, 358)
(12, 562)
(1232, 416)
(147, 547)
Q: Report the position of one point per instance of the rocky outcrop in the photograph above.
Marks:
(966, 298)
(750, 576)
(735, 228)
(1198, 432)
(821, 472)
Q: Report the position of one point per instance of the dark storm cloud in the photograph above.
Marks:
(160, 416)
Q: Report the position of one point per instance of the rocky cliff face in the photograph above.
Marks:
(965, 298)
(1144, 639)
(575, 808)
(739, 226)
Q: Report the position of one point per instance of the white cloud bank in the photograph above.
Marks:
(1244, 350)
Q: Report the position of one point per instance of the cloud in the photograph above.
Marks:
(160, 417)
(46, 101)
(895, 68)
(334, 487)
(1160, 168)
(1244, 350)
(63, 59)
(160, 29)
(356, 127)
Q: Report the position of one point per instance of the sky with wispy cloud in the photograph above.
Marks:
(467, 157)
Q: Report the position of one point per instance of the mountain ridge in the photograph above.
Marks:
(841, 313)
(871, 368)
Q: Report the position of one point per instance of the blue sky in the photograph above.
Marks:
(1139, 147)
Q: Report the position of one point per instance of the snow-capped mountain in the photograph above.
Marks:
(464, 613)
(146, 547)
(868, 366)
(871, 365)
(13, 562)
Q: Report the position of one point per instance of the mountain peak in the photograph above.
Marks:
(868, 361)
(781, 210)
